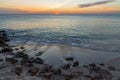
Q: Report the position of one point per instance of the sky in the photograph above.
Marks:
(59, 6)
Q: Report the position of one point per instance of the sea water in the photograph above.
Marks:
(96, 32)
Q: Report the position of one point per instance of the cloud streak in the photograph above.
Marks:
(95, 3)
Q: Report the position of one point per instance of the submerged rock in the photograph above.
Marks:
(76, 63)
(69, 59)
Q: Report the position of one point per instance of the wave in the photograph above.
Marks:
(92, 41)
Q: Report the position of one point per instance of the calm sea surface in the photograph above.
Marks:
(98, 32)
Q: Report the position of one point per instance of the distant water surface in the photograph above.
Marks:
(98, 32)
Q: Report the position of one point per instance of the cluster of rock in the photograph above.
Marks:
(22, 63)
(3, 38)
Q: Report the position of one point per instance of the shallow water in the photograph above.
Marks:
(98, 32)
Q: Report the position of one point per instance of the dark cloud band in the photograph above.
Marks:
(95, 3)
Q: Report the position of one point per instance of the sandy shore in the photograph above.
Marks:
(68, 63)
(55, 54)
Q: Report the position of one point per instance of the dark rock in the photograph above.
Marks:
(111, 68)
(76, 63)
(16, 49)
(2, 43)
(68, 77)
(39, 61)
(21, 55)
(57, 72)
(46, 69)
(7, 50)
(66, 66)
(12, 60)
(3, 35)
(18, 69)
(69, 59)
(1, 60)
(22, 47)
(92, 65)
(102, 64)
(95, 69)
(86, 66)
(97, 77)
(87, 76)
(31, 60)
(33, 71)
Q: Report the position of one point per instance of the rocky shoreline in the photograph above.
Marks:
(16, 64)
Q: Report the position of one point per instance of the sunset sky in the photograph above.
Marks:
(59, 6)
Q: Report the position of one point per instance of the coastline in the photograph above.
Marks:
(56, 62)
(84, 56)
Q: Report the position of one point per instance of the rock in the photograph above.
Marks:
(76, 63)
(106, 74)
(102, 75)
(76, 74)
(92, 65)
(69, 59)
(68, 77)
(33, 71)
(21, 55)
(57, 72)
(7, 50)
(46, 69)
(1, 60)
(22, 47)
(97, 77)
(16, 49)
(39, 61)
(66, 66)
(26, 62)
(3, 35)
(111, 68)
(46, 75)
(12, 60)
(87, 76)
(102, 64)
(2, 43)
(94, 69)
(39, 53)
(18, 69)
(31, 60)
(86, 66)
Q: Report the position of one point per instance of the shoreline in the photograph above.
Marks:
(62, 51)
(56, 62)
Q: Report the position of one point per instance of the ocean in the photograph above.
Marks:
(96, 32)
